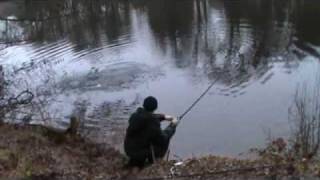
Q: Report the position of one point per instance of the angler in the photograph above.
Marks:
(145, 141)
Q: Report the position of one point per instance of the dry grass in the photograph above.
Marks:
(26, 152)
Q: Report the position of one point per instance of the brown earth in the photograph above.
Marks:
(30, 152)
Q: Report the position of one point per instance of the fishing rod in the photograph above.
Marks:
(197, 100)
(192, 106)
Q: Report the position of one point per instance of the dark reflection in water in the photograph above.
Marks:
(259, 49)
(185, 27)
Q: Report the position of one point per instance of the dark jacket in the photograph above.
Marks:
(143, 131)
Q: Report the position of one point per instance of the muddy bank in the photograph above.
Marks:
(29, 152)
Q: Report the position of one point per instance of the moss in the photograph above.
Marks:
(4, 154)
(8, 160)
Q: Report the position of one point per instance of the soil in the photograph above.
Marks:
(30, 152)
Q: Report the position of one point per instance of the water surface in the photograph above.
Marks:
(97, 51)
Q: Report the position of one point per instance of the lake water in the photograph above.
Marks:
(98, 51)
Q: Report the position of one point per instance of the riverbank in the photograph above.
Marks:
(30, 152)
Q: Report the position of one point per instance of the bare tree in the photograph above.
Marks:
(305, 115)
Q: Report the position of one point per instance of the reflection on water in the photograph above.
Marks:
(108, 50)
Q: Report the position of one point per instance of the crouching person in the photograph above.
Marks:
(145, 141)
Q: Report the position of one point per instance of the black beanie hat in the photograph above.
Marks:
(150, 104)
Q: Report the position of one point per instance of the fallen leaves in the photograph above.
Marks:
(28, 153)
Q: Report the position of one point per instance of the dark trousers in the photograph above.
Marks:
(146, 157)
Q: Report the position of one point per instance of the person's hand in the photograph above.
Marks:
(174, 121)
(168, 118)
